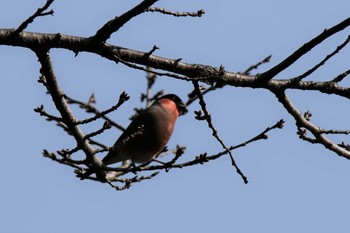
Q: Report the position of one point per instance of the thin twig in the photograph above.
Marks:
(271, 73)
(151, 51)
(202, 158)
(151, 78)
(38, 13)
(256, 66)
(321, 63)
(333, 131)
(341, 76)
(129, 182)
(94, 142)
(105, 126)
(91, 109)
(199, 13)
(122, 98)
(128, 64)
(49, 117)
(214, 131)
(53, 157)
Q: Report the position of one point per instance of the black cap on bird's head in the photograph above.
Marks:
(181, 107)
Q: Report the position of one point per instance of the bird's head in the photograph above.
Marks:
(181, 107)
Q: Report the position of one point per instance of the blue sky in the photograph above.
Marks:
(294, 186)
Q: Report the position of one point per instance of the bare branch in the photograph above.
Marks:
(256, 66)
(199, 13)
(91, 109)
(215, 133)
(334, 131)
(263, 135)
(341, 76)
(192, 96)
(151, 78)
(115, 24)
(105, 126)
(38, 13)
(151, 51)
(305, 123)
(49, 117)
(128, 64)
(268, 75)
(53, 157)
(62, 106)
(129, 182)
(122, 98)
(321, 63)
(94, 142)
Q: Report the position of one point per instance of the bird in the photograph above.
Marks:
(148, 134)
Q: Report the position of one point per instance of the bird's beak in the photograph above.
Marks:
(182, 108)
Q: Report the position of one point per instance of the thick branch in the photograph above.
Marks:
(62, 105)
(207, 74)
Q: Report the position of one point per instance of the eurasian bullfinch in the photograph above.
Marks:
(148, 134)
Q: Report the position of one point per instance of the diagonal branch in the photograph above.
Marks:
(122, 98)
(321, 63)
(91, 109)
(270, 74)
(48, 116)
(39, 12)
(62, 106)
(303, 122)
(256, 66)
(104, 33)
(207, 117)
(341, 76)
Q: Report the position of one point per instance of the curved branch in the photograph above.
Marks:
(303, 122)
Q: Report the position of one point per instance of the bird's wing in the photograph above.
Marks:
(133, 132)
(135, 128)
